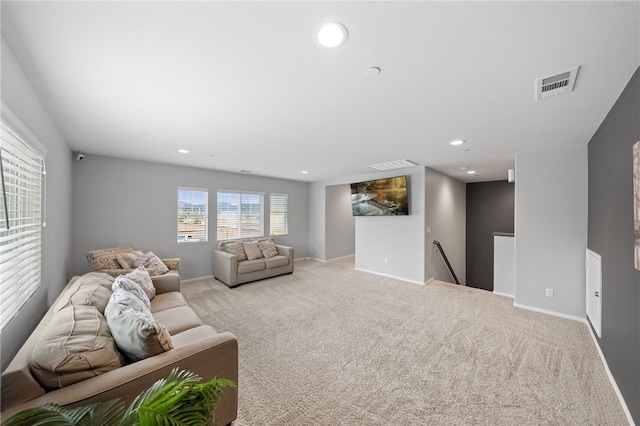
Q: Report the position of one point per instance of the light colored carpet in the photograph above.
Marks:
(329, 345)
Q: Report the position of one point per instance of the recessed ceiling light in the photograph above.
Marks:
(373, 71)
(471, 172)
(457, 142)
(304, 172)
(332, 34)
(183, 151)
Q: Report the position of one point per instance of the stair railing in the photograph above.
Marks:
(444, 256)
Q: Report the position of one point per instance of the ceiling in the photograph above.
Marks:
(244, 86)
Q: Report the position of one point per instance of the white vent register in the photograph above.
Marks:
(556, 84)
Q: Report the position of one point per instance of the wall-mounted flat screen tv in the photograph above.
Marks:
(380, 197)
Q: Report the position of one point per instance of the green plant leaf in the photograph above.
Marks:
(108, 413)
(177, 400)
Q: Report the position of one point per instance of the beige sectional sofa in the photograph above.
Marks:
(241, 261)
(71, 358)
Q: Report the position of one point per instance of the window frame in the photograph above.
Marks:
(285, 213)
(239, 233)
(23, 199)
(180, 212)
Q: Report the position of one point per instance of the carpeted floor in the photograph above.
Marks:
(329, 345)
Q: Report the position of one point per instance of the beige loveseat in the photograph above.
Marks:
(241, 261)
(72, 371)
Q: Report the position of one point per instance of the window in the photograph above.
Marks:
(240, 214)
(278, 218)
(192, 215)
(20, 222)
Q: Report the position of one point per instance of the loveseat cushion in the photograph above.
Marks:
(235, 248)
(251, 266)
(76, 345)
(276, 261)
(252, 250)
(91, 289)
(268, 248)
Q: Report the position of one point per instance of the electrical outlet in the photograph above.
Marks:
(549, 292)
(428, 229)
(386, 260)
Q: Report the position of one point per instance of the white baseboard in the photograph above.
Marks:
(341, 257)
(390, 276)
(503, 294)
(429, 281)
(555, 314)
(611, 379)
(316, 259)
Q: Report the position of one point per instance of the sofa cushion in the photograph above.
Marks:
(91, 289)
(276, 261)
(268, 248)
(236, 248)
(123, 282)
(106, 258)
(252, 250)
(141, 276)
(251, 266)
(178, 319)
(165, 301)
(76, 345)
(126, 259)
(152, 262)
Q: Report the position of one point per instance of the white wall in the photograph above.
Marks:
(340, 230)
(551, 230)
(446, 217)
(22, 99)
(119, 201)
(317, 217)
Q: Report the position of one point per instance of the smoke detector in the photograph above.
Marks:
(556, 84)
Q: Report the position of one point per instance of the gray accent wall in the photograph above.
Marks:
(490, 208)
(551, 230)
(118, 201)
(24, 102)
(611, 236)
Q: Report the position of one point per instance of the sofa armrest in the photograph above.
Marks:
(115, 272)
(167, 282)
(285, 251)
(225, 267)
(201, 350)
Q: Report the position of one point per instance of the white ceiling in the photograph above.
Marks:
(243, 85)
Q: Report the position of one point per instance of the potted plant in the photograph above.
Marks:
(177, 400)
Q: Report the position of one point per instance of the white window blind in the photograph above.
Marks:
(192, 215)
(278, 216)
(240, 214)
(20, 223)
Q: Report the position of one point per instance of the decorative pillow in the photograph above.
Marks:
(252, 250)
(122, 296)
(75, 346)
(141, 276)
(237, 249)
(268, 248)
(152, 262)
(106, 258)
(137, 334)
(126, 259)
(91, 289)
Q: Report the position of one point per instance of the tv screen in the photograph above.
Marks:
(380, 197)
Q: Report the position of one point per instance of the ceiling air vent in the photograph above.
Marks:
(556, 84)
(392, 165)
